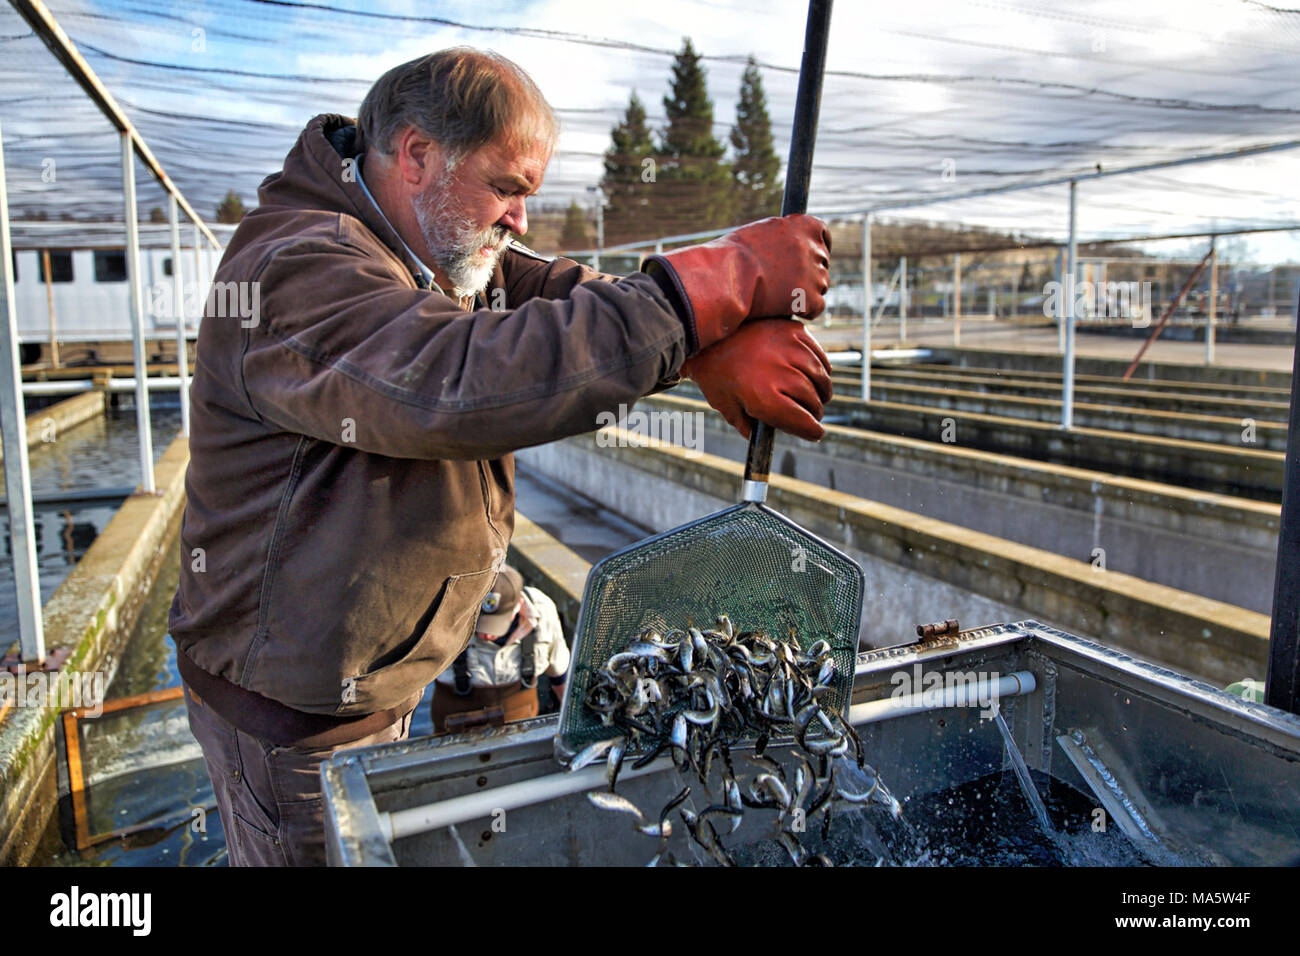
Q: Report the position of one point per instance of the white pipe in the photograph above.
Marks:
(973, 694)
(162, 383)
(854, 357)
(144, 436)
(17, 468)
(1067, 383)
(888, 354)
(485, 803)
(178, 301)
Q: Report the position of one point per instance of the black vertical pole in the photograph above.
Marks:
(1282, 685)
(797, 176)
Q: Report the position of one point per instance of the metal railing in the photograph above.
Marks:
(12, 419)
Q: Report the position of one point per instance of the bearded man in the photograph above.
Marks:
(351, 483)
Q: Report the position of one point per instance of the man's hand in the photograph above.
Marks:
(778, 266)
(771, 370)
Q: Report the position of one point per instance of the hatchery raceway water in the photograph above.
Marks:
(100, 453)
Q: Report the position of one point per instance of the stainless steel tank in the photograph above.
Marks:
(1155, 768)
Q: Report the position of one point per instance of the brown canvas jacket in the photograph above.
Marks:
(351, 487)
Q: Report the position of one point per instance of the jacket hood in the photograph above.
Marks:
(320, 172)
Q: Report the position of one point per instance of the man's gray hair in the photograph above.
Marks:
(461, 98)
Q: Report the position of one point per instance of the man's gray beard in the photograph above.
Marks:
(453, 241)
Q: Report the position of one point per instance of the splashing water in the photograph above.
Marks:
(1026, 781)
(461, 850)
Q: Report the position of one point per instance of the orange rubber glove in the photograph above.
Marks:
(771, 370)
(777, 266)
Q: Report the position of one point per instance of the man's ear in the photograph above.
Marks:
(419, 158)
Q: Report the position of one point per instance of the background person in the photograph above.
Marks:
(517, 639)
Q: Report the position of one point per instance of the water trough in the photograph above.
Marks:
(1141, 766)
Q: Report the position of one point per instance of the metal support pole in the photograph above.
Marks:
(198, 278)
(1067, 388)
(1282, 682)
(49, 302)
(902, 299)
(178, 299)
(13, 423)
(208, 270)
(956, 298)
(134, 277)
(1060, 315)
(866, 307)
(600, 225)
(1214, 303)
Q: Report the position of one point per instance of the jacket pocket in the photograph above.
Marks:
(448, 633)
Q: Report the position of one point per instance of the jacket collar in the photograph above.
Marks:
(425, 271)
(322, 172)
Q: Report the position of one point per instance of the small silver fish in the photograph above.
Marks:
(614, 761)
(775, 787)
(791, 845)
(732, 791)
(615, 802)
(704, 718)
(686, 655)
(733, 817)
(833, 746)
(803, 782)
(700, 645)
(662, 829)
(625, 659)
(858, 797)
(678, 738)
(590, 754)
(640, 699)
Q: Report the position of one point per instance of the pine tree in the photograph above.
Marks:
(574, 236)
(694, 185)
(755, 167)
(231, 209)
(630, 175)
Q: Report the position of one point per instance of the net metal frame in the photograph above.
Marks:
(749, 562)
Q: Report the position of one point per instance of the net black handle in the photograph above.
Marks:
(758, 462)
